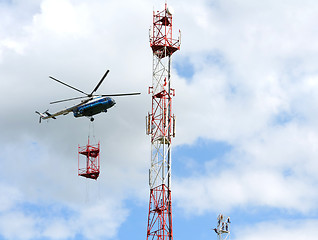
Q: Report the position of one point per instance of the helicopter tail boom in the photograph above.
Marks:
(43, 116)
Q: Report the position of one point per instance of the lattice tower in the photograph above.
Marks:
(161, 126)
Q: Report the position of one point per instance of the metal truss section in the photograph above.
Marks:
(161, 74)
(90, 167)
(159, 218)
(160, 170)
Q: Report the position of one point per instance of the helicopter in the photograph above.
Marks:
(88, 107)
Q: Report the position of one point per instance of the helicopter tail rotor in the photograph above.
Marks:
(41, 116)
(45, 115)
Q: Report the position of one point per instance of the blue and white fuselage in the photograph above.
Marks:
(93, 107)
(86, 108)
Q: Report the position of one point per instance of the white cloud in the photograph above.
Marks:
(275, 168)
(15, 225)
(9, 197)
(258, 94)
(104, 220)
(59, 229)
(21, 219)
(63, 18)
(279, 230)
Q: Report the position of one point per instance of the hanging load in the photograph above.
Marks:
(88, 161)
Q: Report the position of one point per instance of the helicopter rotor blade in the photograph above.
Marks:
(100, 82)
(59, 81)
(118, 94)
(65, 100)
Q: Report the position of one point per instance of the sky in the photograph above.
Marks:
(246, 106)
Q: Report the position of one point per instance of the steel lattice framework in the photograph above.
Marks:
(92, 161)
(161, 127)
(223, 228)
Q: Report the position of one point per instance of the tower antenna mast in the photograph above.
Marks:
(223, 228)
(161, 126)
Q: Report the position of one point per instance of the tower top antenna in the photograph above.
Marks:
(223, 228)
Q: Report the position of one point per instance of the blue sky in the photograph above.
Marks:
(246, 83)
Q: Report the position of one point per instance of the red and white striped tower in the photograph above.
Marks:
(161, 126)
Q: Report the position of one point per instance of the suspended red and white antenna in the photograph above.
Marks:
(88, 160)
